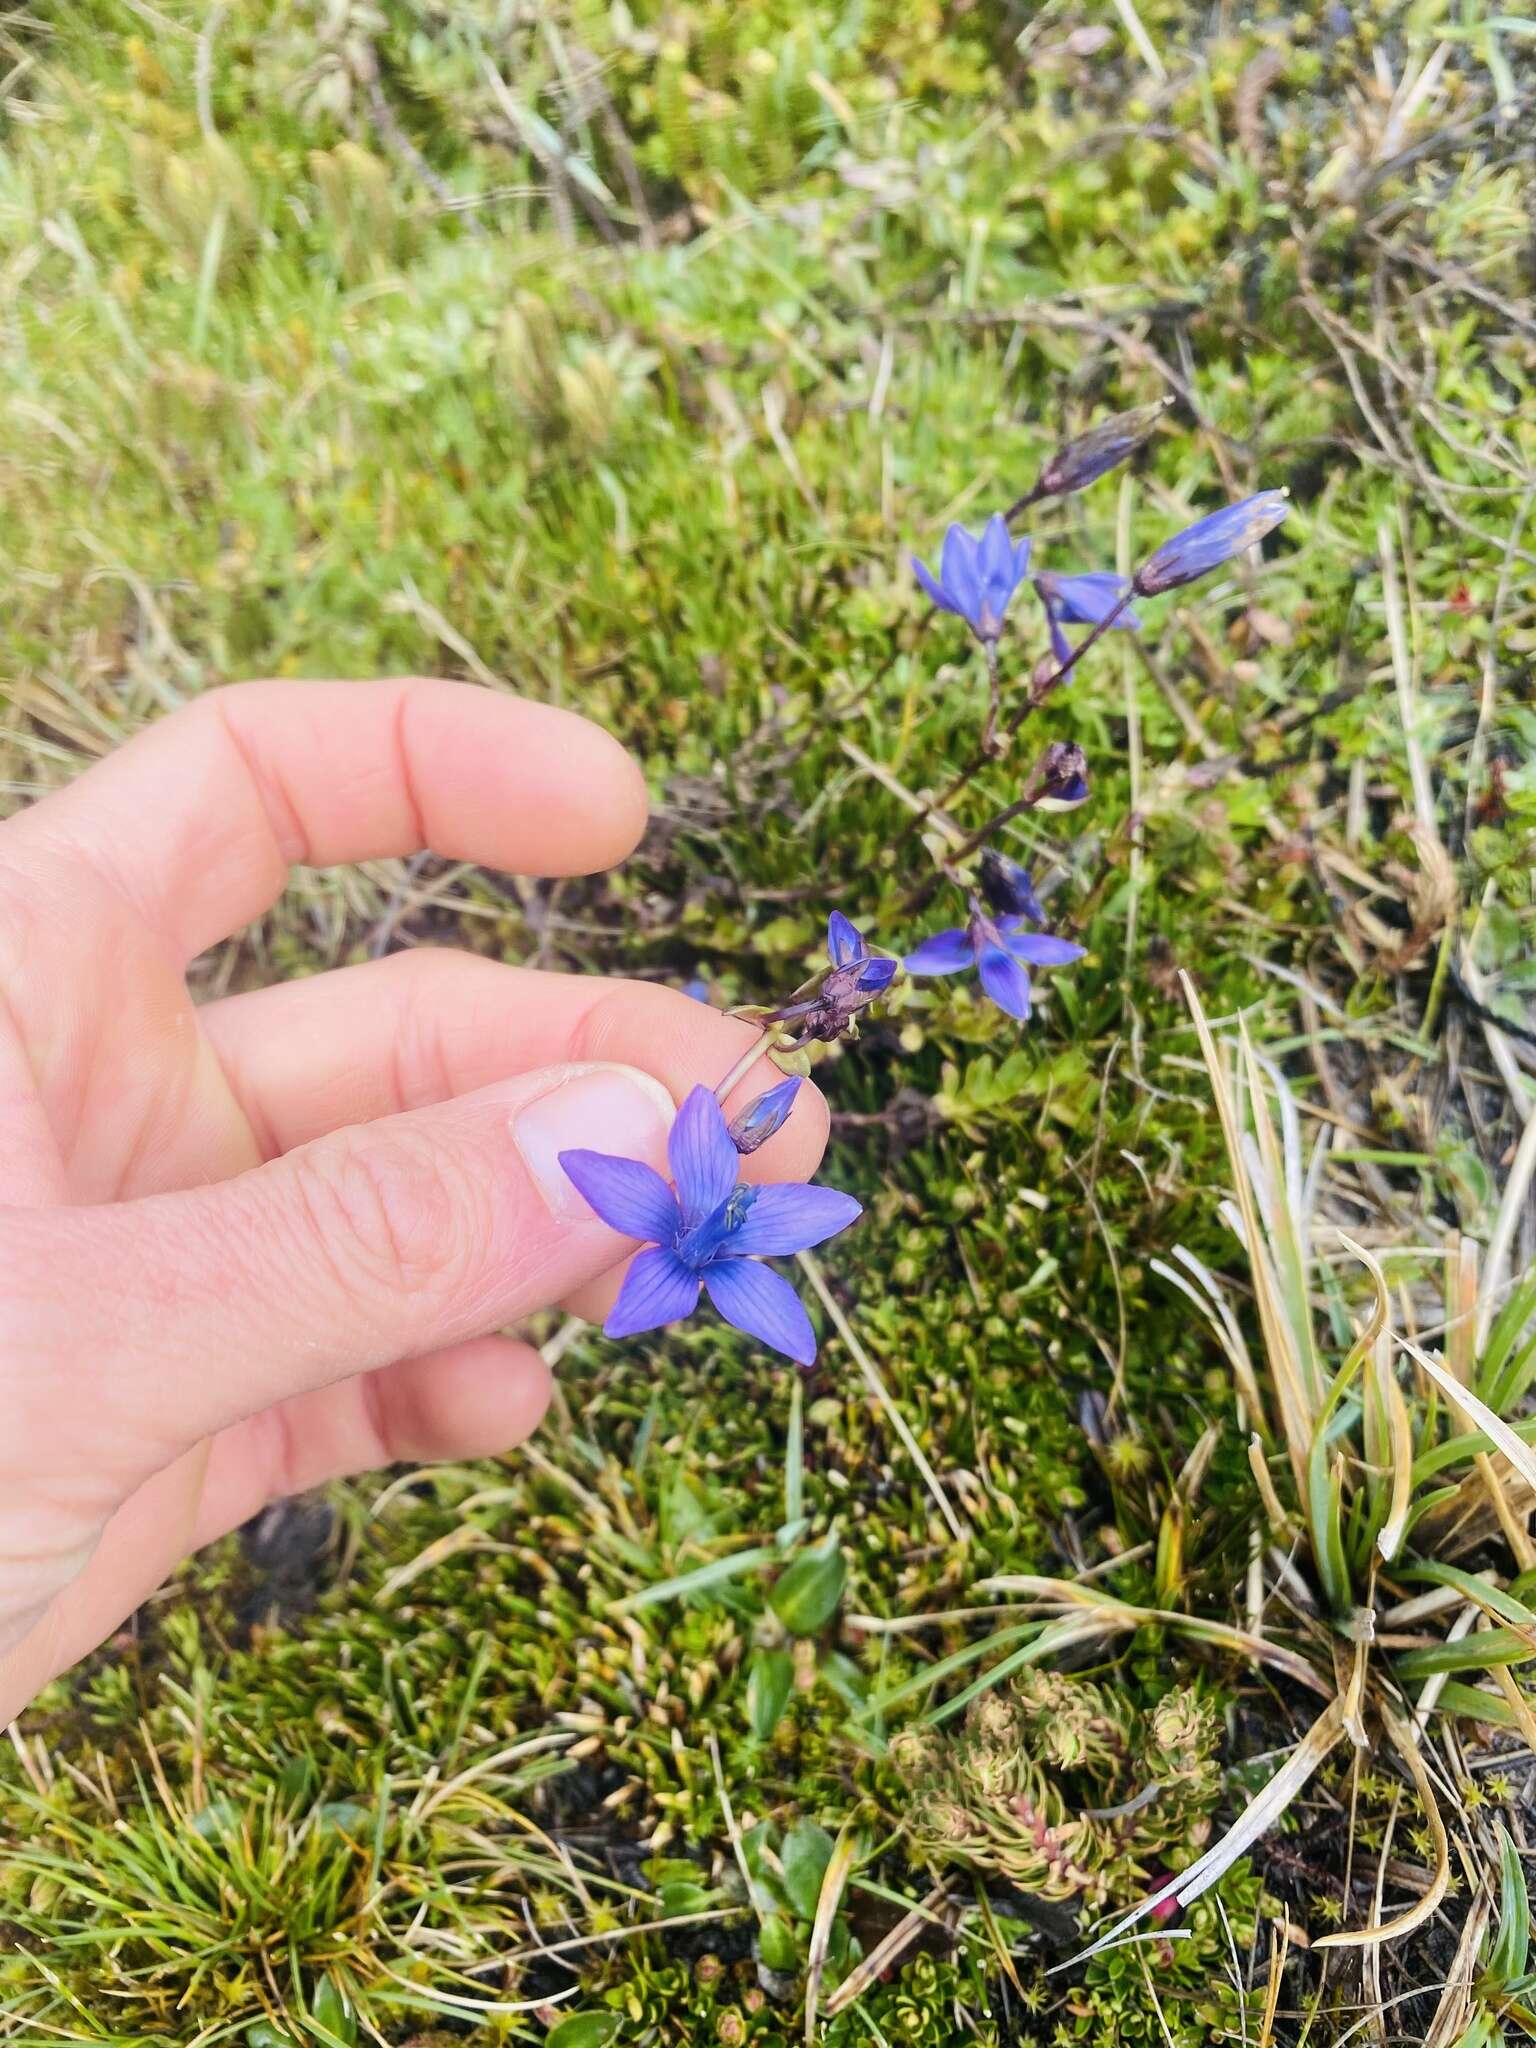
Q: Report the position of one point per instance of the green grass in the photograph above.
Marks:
(628, 378)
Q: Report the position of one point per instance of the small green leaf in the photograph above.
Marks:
(805, 1855)
(1507, 1959)
(777, 1948)
(806, 1593)
(584, 2030)
(263, 2034)
(331, 2010)
(684, 1517)
(769, 1682)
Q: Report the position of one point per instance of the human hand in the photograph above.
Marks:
(248, 1247)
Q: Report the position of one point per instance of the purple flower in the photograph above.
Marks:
(855, 979)
(1086, 600)
(1210, 542)
(1008, 888)
(977, 576)
(762, 1117)
(1003, 949)
(709, 1230)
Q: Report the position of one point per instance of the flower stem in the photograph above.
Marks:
(771, 1041)
(1037, 696)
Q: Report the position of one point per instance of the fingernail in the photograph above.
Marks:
(604, 1109)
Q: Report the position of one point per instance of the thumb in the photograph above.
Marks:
(178, 1314)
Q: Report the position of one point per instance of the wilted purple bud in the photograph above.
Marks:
(1008, 888)
(1061, 776)
(1102, 448)
(845, 991)
(1211, 541)
(977, 575)
(769, 1113)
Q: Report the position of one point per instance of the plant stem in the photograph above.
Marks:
(769, 1042)
(1037, 696)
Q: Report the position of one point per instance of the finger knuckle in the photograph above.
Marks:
(390, 1213)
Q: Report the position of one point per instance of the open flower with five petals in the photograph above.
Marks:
(1001, 949)
(709, 1231)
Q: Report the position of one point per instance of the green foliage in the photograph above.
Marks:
(620, 353)
(1065, 1788)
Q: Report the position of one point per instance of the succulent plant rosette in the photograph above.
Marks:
(1065, 1788)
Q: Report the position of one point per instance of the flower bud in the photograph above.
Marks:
(767, 1114)
(1008, 888)
(1210, 542)
(1084, 460)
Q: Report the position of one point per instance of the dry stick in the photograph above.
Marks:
(878, 1388)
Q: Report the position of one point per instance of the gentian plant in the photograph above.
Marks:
(709, 1231)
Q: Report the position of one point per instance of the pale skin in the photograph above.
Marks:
(250, 1246)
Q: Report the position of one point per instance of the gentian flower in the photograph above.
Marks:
(977, 576)
(1008, 888)
(709, 1230)
(767, 1114)
(1086, 600)
(856, 978)
(1210, 542)
(1002, 949)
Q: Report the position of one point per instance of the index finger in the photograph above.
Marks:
(199, 818)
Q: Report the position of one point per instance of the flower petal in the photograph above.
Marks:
(879, 973)
(995, 556)
(845, 941)
(1005, 981)
(1089, 600)
(949, 952)
(658, 1288)
(627, 1194)
(930, 584)
(762, 1303)
(960, 577)
(1042, 949)
(704, 1163)
(787, 1216)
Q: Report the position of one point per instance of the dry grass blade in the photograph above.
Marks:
(834, 1879)
(1405, 1923)
(1482, 1417)
(886, 1952)
(1255, 1820)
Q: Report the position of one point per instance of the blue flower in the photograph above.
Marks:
(1008, 888)
(709, 1230)
(1003, 949)
(1210, 542)
(762, 1117)
(855, 979)
(977, 576)
(1086, 600)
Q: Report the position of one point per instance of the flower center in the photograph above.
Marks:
(706, 1240)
